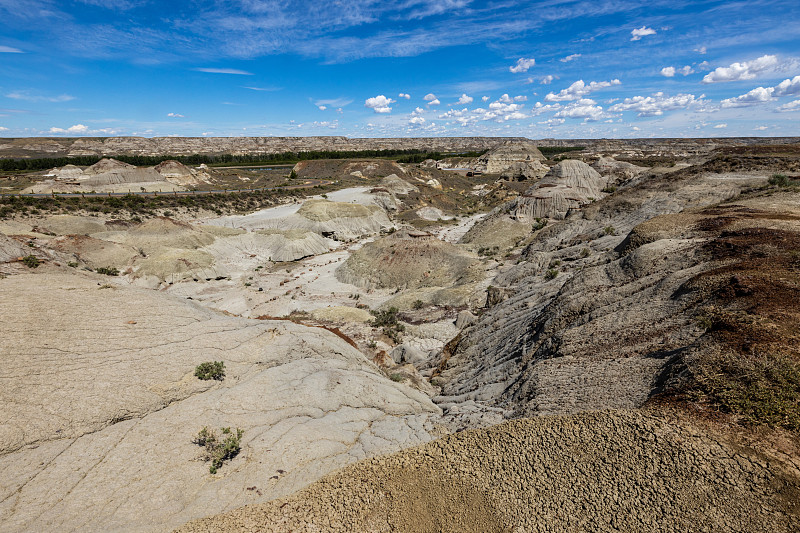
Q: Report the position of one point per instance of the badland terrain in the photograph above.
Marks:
(450, 334)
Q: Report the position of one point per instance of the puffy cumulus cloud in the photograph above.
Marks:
(540, 108)
(465, 99)
(508, 100)
(418, 111)
(3, 129)
(669, 72)
(741, 71)
(404, 95)
(322, 107)
(758, 95)
(791, 106)
(585, 108)
(638, 33)
(484, 98)
(379, 104)
(720, 126)
(655, 105)
(578, 90)
(571, 57)
(546, 80)
(523, 64)
(435, 101)
(454, 113)
(429, 97)
(788, 87)
(175, 115)
(417, 121)
(77, 128)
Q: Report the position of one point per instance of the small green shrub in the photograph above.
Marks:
(551, 274)
(219, 450)
(210, 370)
(609, 189)
(72, 264)
(396, 377)
(418, 304)
(540, 223)
(108, 271)
(585, 253)
(387, 320)
(610, 230)
(31, 261)
(779, 180)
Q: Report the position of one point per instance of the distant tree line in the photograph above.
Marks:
(549, 151)
(415, 155)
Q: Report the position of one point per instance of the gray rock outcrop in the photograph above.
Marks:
(499, 159)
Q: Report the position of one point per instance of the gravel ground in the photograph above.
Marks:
(605, 471)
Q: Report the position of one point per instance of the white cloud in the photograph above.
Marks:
(671, 71)
(175, 115)
(578, 90)
(553, 122)
(761, 128)
(522, 65)
(418, 111)
(585, 108)
(507, 99)
(23, 95)
(791, 106)
(262, 88)
(638, 33)
(322, 107)
(435, 101)
(429, 97)
(333, 102)
(701, 50)
(404, 95)
(3, 129)
(756, 96)
(540, 108)
(224, 71)
(788, 87)
(77, 128)
(546, 80)
(379, 104)
(465, 99)
(419, 121)
(10, 50)
(741, 71)
(720, 126)
(484, 98)
(655, 105)
(569, 58)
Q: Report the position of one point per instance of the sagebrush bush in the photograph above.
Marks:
(210, 370)
(219, 450)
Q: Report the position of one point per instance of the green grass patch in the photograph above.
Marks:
(210, 370)
(219, 449)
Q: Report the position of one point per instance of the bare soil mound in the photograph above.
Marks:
(607, 471)
(340, 168)
(409, 260)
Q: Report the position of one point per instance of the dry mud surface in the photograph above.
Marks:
(606, 471)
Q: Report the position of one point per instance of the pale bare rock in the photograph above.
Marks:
(502, 157)
(621, 169)
(397, 185)
(107, 165)
(525, 170)
(100, 407)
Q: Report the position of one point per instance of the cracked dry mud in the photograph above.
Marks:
(605, 471)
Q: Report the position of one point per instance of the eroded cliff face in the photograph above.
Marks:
(590, 319)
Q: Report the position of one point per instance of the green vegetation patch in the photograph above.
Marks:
(210, 370)
(31, 261)
(219, 449)
(387, 319)
(761, 388)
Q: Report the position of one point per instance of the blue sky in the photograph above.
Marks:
(371, 68)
